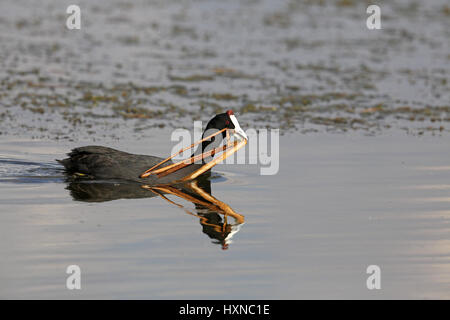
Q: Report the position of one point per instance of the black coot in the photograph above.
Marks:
(107, 163)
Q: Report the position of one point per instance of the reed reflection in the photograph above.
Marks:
(214, 215)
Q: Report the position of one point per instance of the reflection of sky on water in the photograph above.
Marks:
(311, 232)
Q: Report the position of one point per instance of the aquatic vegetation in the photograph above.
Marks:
(194, 77)
(274, 64)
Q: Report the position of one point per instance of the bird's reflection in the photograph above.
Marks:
(213, 215)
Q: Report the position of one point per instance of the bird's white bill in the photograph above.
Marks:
(237, 128)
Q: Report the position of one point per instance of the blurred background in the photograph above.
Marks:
(302, 66)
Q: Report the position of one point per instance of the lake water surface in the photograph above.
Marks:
(364, 171)
(338, 204)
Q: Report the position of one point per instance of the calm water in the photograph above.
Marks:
(364, 159)
(338, 204)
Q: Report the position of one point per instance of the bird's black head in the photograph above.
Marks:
(220, 121)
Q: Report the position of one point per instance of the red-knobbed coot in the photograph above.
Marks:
(107, 163)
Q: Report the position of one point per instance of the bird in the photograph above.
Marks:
(98, 162)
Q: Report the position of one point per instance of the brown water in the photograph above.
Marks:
(364, 151)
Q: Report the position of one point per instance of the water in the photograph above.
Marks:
(338, 204)
(302, 65)
(363, 176)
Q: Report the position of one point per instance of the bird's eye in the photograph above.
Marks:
(227, 122)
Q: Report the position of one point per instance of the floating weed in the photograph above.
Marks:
(249, 108)
(345, 3)
(377, 108)
(446, 10)
(134, 113)
(193, 78)
(89, 97)
(223, 96)
(179, 90)
(287, 108)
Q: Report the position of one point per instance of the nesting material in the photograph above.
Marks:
(228, 149)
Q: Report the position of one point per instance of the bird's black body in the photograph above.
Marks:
(107, 163)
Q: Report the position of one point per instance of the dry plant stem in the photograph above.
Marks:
(179, 165)
(187, 197)
(210, 202)
(212, 163)
(223, 206)
(150, 171)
